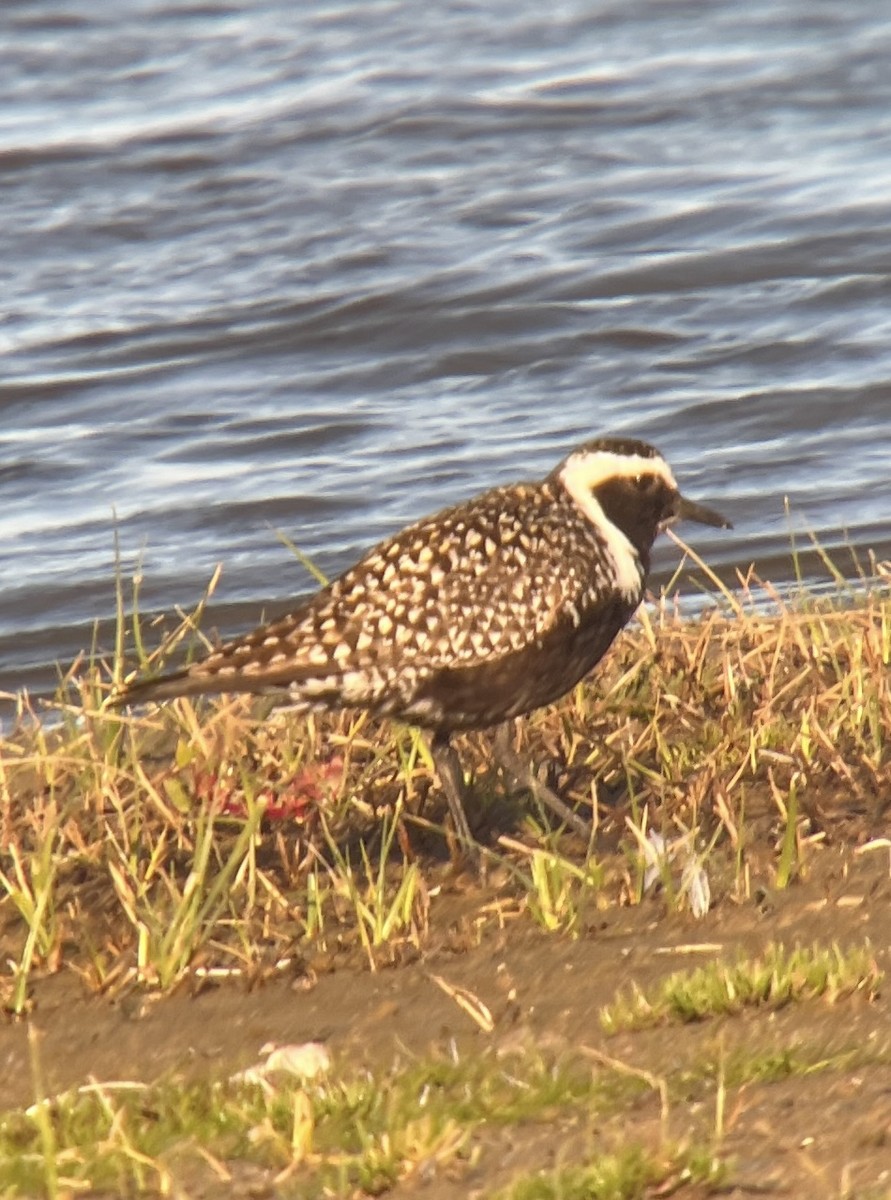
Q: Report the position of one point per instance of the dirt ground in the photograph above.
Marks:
(823, 1134)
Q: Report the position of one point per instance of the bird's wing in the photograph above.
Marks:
(466, 586)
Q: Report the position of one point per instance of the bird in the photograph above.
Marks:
(471, 617)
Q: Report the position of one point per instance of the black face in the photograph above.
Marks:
(639, 505)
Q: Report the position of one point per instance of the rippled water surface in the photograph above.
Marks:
(322, 268)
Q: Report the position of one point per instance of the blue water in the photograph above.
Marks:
(323, 268)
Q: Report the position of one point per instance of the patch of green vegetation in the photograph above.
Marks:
(29, 885)
(558, 891)
(627, 1175)
(756, 1063)
(335, 1139)
(775, 978)
(386, 910)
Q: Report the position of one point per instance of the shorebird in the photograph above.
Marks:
(470, 617)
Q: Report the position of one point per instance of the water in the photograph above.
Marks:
(323, 268)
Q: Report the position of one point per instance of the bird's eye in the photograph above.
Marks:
(639, 481)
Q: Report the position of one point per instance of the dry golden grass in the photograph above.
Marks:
(139, 849)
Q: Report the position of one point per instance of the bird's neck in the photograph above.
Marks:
(631, 557)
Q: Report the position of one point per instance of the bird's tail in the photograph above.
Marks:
(186, 682)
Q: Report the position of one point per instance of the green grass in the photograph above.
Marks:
(773, 979)
(362, 1134)
(631, 1174)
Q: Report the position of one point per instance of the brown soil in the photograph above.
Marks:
(824, 1134)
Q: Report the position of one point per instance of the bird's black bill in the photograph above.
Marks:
(687, 510)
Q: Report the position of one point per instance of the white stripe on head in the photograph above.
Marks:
(590, 468)
(582, 473)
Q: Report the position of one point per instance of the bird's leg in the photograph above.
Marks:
(523, 775)
(451, 779)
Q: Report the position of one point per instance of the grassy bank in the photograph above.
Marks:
(725, 763)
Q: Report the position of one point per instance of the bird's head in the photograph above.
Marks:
(631, 485)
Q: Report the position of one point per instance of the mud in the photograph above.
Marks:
(827, 1133)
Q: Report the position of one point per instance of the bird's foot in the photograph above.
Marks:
(523, 775)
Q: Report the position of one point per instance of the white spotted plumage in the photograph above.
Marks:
(471, 616)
